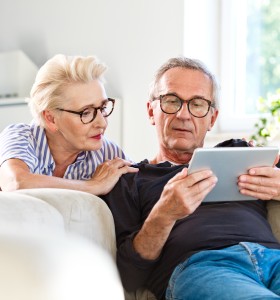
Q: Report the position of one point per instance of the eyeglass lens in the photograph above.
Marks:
(171, 104)
(89, 114)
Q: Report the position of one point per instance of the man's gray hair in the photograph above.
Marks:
(185, 63)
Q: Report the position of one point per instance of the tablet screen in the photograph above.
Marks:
(228, 164)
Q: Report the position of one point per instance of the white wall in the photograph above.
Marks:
(202, 32)
(202, 36)
(133, 37)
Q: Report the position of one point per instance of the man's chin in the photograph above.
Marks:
(183, 146)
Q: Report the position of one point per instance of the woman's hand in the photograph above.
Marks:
(107, 175)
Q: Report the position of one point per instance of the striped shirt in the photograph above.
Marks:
(29, 144)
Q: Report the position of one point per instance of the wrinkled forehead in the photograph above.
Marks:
(184, 81)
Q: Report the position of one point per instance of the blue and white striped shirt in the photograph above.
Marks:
(29, 144)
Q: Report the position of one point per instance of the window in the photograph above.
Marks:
(239, 40)
(250, 41)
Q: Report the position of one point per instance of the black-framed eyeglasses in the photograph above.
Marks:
(197, 106)
(88, 114)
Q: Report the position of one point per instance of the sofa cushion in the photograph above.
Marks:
(273, 208)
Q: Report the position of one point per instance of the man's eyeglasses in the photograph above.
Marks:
(197, 106)
(88, 114)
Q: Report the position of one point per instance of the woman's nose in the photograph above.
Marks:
(100, 120)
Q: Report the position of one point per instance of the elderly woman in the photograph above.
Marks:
(64, 146)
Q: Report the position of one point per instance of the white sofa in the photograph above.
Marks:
(50, 223)
(57, 245)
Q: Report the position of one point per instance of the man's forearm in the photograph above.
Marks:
(151, 238)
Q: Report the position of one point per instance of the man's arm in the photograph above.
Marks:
(180, 197)
(139, 244)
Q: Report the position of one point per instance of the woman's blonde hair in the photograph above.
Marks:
(54, 76)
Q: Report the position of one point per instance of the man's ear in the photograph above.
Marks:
(50, 120)
(150, 111)
(213, 119)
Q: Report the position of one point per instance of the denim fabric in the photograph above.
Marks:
(244, 271)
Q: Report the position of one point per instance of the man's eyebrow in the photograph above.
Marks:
(192, 97)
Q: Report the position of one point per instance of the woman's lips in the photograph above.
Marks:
(97, 137)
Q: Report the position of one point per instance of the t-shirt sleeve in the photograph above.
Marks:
(16, 142)
(124, 203)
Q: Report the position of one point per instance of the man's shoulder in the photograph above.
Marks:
(147, 170)
(145, 164)
(233, 143)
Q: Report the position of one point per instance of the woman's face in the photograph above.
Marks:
(72, 134)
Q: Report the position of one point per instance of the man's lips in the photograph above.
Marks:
(182, 129)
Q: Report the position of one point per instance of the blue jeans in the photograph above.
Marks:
(244, 271)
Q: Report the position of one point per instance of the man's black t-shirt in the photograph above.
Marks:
(211, 226)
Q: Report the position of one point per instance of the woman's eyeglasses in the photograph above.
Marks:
(89, 114)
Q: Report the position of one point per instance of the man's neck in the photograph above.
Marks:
(177, 158)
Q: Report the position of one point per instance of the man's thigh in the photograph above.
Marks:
(222, 274)
(275, 283)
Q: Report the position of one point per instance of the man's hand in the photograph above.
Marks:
(262, 183)
(180, 197)
(183, 194)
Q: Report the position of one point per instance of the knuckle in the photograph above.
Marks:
(107, 163)
(274, 193)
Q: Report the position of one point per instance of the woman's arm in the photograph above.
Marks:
(15, 174)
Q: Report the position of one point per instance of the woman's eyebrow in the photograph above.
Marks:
(95, 106)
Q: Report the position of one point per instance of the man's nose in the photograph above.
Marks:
(184, 113)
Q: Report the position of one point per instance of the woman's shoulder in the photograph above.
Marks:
(15, 130)
(20, 130)
(17, 126)
(109, 143)
(109, 150)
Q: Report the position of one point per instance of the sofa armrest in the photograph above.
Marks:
(25, 213)
(35, 252)
(47, 266)
(84, 214)
(273, 209)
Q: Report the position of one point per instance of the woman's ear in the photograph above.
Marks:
(150, 111)
(50, 120)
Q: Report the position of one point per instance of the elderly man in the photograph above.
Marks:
(168, 240)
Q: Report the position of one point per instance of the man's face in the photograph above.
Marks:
(181, 132)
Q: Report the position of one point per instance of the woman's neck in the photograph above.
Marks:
(62, 156)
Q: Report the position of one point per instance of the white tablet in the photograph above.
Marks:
(227, 164)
